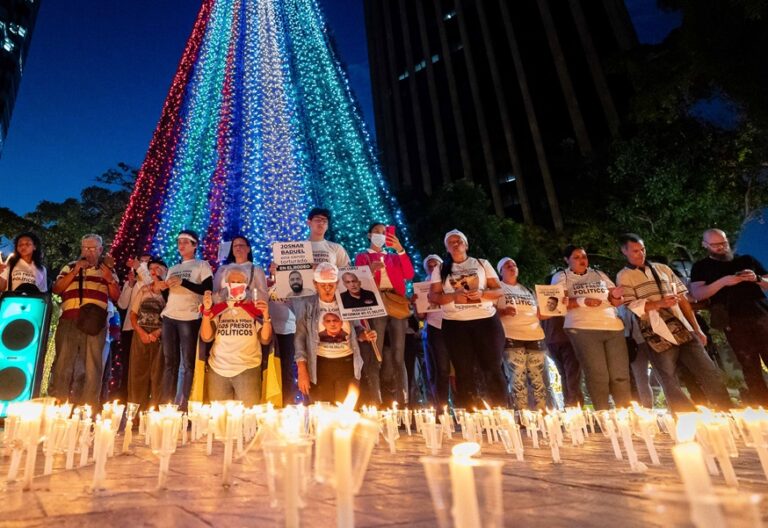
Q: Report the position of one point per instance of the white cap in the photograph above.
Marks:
(501, 264)
(431, 257)
(325, 272)
(455, 232)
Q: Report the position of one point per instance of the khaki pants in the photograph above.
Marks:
(145, 373)
(78, 366)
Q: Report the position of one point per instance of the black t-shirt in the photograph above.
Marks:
(744, 298)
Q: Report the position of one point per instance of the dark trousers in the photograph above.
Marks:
(438, 365)
(564, 356)
(334, 376)
(479, 342)
(748, 338)
(179, 346)
(145, 373)
(371, 394)
(287, 367)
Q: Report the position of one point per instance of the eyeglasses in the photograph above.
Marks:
(716, 245)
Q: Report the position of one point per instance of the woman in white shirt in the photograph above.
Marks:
(595, 329)
(524, 349)
(186, 282)
(467, 289)
(24, 271)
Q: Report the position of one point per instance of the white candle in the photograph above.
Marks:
(549, 421)
(689, 459)
(85, 440)
(753, 419)
(466, 510)
(626, 437)
(342, 456)
(32, 420)
(103, 436)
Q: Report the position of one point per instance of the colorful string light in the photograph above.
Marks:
(260, 125)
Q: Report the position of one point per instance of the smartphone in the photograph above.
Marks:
(389, 232)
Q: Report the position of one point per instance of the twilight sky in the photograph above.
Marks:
(98, 72)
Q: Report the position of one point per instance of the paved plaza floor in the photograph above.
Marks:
(590, 488)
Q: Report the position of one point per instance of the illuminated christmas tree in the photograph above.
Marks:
(260, 125)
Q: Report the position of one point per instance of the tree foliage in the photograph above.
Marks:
(60, 225)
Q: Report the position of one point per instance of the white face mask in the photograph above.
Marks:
(378, 240)
(236, 290)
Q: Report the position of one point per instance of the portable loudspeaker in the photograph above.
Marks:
(24, 323)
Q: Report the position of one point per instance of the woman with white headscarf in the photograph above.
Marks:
(467, 289)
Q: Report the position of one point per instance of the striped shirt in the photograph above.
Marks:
(640, 286)
(95, 291)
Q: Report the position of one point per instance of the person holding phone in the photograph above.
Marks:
(736, 286)
(390, 271)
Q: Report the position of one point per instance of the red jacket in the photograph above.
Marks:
(399, 268)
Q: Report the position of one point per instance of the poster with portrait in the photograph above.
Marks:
(357, 294)
(293, 277)
(421, 290)
(550, 299)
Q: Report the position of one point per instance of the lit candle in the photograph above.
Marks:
(609, 430)
(689, 459)
(550, 423)
(622, 420)
(342, 460)
(466, 511)
(31, 418)
(753, 421)
(103, 435)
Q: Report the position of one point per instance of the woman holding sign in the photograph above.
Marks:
(595, 329)
(240, 258)
(524, 350)
(390, 270)
(467, 289)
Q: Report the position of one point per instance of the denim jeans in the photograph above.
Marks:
(526, 360)
(245, 386)
(706, 374)
(438, 366)
(179, 346)
(603, 356)
(393, 369)
(642, 377)
(478, 342)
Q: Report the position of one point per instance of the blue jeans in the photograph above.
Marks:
(603, 356)
(707, 376)
(393, 356)
(179, 346)
(245, 386)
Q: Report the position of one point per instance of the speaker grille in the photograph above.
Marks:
(18, 334)
(13, 381)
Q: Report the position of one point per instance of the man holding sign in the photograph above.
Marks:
(327, 348)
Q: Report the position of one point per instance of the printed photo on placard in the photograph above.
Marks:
(358, 295)
(293, 277)
(550, 299)
(421, 290)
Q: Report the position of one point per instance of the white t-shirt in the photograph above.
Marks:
(592, 285)
(472, 274)
(334, 332)
(435, 319)
(236, 345)
(24, 273)
(183, 304)
(327, 251)
(524, 325)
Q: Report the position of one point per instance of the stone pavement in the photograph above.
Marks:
(590, 488)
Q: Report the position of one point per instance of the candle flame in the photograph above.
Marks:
(686, 427)
(465, 449)
(351, 399)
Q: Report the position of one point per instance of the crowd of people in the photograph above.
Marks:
(489, 341)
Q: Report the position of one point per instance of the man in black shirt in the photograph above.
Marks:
(735, 285)
(356, 296)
